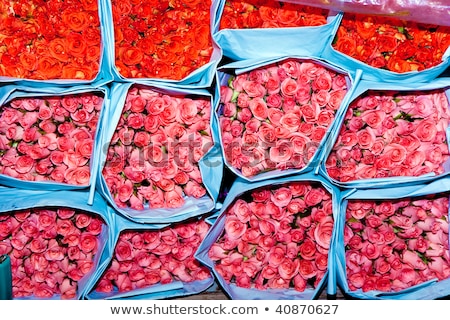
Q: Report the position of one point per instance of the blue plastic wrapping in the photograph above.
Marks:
(377, 74)
(199, 78)
(9, 93)
(103, 75)
(210, 165)
(19, 200)
(239, 190)
(246, 67)
(424, 290)
(440, 85)
(240, 44)
(175, 288)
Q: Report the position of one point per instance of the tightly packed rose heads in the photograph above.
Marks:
(275, 117)
(276, 237)
(394, 245)
(49, 138)
(51, 250)
(143, 258)
(392, 44)
(270, 14)
(390, 134)
(45, 40)
(161, 38)
(153, 156)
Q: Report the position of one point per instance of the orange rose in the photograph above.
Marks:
(398, 65)
(76, 46)
(90, 5)
(57, 49)
(365, 25)
(130, 56)
(48, 68)
(79, 72)
(93, 54)
(28, 61)
(346, 45)
(76, 20)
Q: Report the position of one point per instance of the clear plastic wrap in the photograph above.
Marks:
(423, 11)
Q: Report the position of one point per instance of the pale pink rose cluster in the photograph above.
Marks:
(153, 156)
(275, 117)
(276, 237)
(51, 250)
(393, 245)
(143, 258)
(49, 139)
(391, 134)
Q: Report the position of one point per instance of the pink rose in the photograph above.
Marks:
(324, 231)
(373, 118)
(259, 108)
(234, 228)
(426, 130)
(253, 89)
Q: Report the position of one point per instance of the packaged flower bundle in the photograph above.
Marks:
(273, 239)
(391, 134)
(54, 241)
(162, 162)
(390, 49)
(394, 243)
(252, 14)
(163, 40)
(153, 261)
(57, 42)
(275, 117)
(243, 28)
(49, 136)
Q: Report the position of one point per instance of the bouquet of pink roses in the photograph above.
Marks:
(275, 118)
(54, 240)
(396, 248)
(391, 135)
(161, 158)
(273, 240)
(153, 262)
(49, 139)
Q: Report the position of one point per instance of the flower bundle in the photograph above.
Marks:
(51, 249)
(276, 237)
(390, 134)
(160, 38)
(147, 258)
(392, 44)
(394, 245)
(153, 156)
(50, 138)
(250, 14)
(47, 40)
(276, 116)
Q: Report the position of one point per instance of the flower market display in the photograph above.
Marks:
(392, 44)
(152, 159)
(276, 237)
(393, 245)
(392, 134)
(49, 138)
(51, 250)
(239, 14)
(47, 40)
(152, 149)
(145, 258)
(276, 116)
(160, 38)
